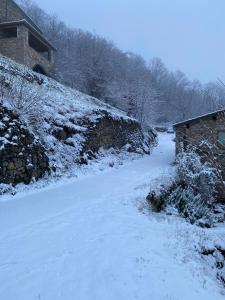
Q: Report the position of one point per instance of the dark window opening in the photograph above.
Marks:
(7, 33)
(187, 126)
(39, 46)
(39, 69)
(214, 118)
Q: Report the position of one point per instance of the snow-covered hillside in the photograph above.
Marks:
(93, 238)
(72, 126)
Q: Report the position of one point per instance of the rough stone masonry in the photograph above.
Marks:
(22, 40)
(22, 157)
(205, 130)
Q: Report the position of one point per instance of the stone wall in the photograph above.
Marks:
(14, 48)
(109, 132)
(19, 50)
(10, 11)
(32, 58)
(22, 157)
(202, 129)
(106, 132)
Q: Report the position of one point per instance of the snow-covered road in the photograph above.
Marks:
(88, 239)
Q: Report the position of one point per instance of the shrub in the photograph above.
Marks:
(193, 191)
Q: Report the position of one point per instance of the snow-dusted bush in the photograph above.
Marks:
(195, 188)
(24, 100)
(193, 191)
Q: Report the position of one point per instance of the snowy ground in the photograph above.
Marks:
(91, 238)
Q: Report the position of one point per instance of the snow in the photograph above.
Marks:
(58, 100)
(92, 237)
(48, 107)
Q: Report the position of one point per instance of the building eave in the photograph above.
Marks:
(27, 17)
(199, 117)
(31, 28)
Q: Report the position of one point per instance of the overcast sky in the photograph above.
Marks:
(187, 34)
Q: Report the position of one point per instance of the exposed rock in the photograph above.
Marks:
(155, 201)
(64, 132)
(22, 157)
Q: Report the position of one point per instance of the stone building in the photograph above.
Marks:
(206, 132)
(22, 40)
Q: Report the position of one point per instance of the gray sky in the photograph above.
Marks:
(187, 34)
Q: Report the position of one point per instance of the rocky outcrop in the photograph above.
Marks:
(22, 157)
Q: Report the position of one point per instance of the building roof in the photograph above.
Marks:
(200, 117)
(32, 29)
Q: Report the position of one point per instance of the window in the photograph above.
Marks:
(221, 138)
(6, 33)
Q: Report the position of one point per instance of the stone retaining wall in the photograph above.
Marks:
(115, 133)
(22, 157)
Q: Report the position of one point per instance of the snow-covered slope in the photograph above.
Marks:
(55, 94)
(93, 239)
(71, 125)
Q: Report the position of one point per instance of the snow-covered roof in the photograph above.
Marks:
(211, 114)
